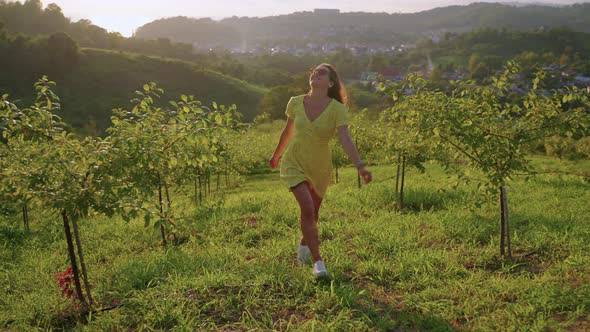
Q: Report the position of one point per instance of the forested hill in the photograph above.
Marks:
(91, 82)
(368, 27)
(29, 17)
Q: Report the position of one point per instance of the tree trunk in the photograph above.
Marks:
(196, 193)
(82, 262)
(358, 174)
(26, 218)
(162, 229)
(73, 259)
(336, 174)
(505, 225)
(169, 214)
(218, 176)
(208, 183)
(401, 192)
(168, 197)
(502, 216)
(200, 191)
(397, 174)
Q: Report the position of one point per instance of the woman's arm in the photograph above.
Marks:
(348, 145)
(352, 153)
(286, 136)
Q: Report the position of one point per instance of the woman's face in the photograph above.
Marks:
(320, 77)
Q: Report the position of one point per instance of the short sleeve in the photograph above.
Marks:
(341, 116)
(290, 108)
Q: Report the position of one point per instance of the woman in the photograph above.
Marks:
(312, 120)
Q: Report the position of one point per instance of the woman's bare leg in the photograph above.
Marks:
(309, 228)
(317, 203)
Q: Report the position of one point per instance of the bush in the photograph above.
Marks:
(583, 147)
(560, 147)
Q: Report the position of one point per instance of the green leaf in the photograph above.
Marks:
(218, 119)
(160, 222)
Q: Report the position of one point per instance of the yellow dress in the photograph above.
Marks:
(308, 156)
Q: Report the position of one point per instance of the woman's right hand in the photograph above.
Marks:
(274, 162)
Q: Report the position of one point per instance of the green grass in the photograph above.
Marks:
(434, 267)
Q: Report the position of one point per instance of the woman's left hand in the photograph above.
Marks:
(365, 174)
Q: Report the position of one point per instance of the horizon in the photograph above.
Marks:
(126, 17)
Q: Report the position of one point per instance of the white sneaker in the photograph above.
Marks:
(319, 269)
(303, 255)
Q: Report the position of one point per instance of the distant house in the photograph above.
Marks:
(331, 47)
(582, 80)
(326, 11)
(369, 76)
(568, 73)
(517, 89)
(390, 74)
(358, 51)
(407, 46)
(552, 68)
(454, 75)
(386, 74)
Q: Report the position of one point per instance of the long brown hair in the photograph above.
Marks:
(337, 91)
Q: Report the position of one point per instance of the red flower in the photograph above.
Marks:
(65, 280)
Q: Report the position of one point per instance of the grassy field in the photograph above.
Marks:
(434, 267)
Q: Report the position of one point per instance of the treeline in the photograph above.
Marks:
(30, 18)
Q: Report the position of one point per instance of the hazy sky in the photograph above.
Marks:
(126, 15)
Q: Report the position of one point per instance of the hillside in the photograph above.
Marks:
(368, 27)
(104, 80)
